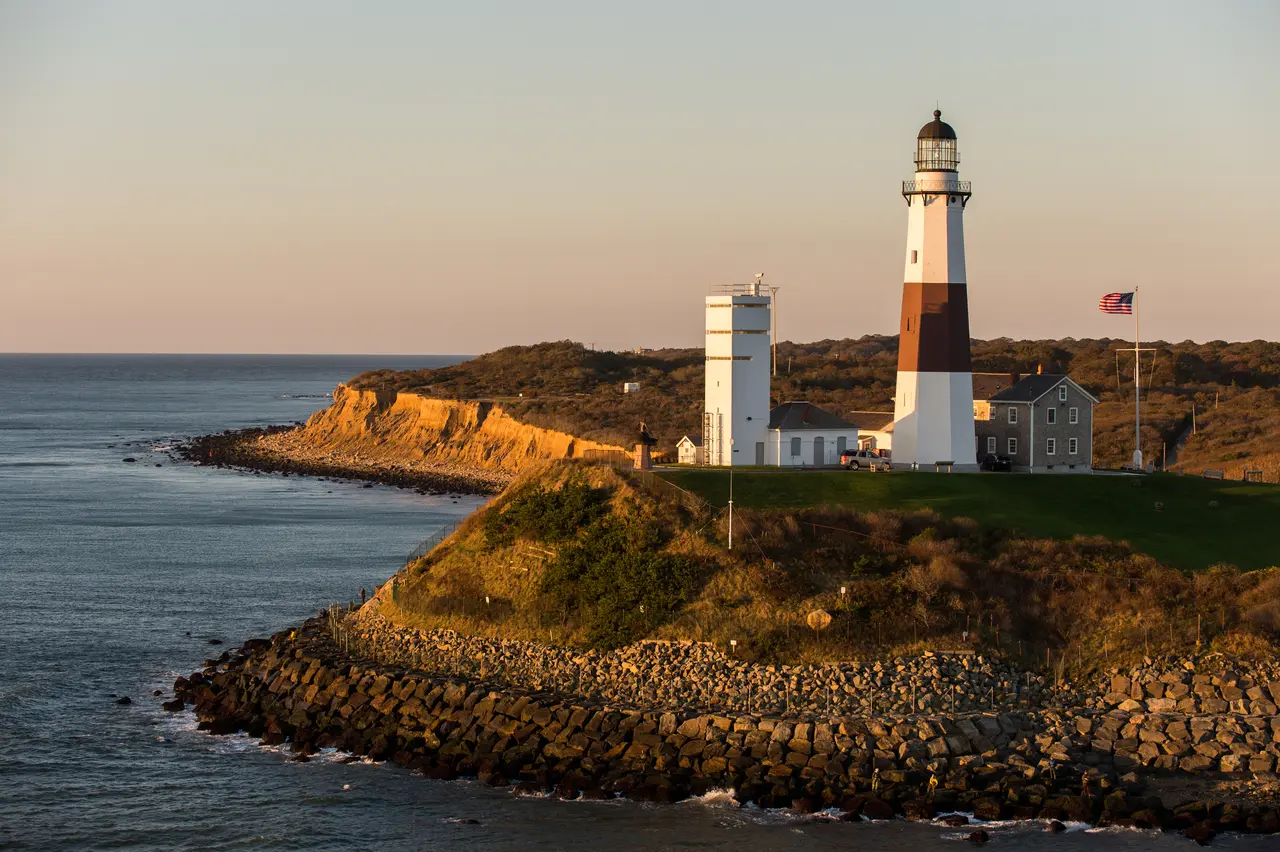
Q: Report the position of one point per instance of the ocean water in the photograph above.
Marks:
(116, 576)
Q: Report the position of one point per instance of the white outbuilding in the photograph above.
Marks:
(803, 435)
(689, 450)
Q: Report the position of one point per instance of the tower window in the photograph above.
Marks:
(914, 255)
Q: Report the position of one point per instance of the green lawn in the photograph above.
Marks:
(1243, 530)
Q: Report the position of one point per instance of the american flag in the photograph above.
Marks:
(1116, 303)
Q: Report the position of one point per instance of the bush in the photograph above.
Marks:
(618, 581)
(544, 514)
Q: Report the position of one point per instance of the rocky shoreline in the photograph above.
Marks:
(259, 450)
(1101, 766)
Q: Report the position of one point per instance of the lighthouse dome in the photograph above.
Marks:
(936, 146)
(937, 129)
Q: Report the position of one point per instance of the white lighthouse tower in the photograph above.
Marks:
(735, 418)
(933, 406)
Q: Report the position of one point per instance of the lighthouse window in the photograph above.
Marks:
(914, 254)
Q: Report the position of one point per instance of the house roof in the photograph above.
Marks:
(1031, 388)
(987, 385)
(697, 442)
(805, 415)
(871, 421)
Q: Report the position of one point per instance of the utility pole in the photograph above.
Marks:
(731, 493)
(773, 309)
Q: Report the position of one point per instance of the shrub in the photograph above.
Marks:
(618, 581)
(545, 514)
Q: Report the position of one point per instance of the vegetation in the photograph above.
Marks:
(1199, 522)
(565, 386)
(610, 568)
(647, 562)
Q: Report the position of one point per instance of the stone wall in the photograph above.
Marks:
(301, 687)
(699, 675)
(1188, 691)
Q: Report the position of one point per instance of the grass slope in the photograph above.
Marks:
(1186, 534)
(583, 555)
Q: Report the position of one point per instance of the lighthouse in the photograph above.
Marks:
(933, 406)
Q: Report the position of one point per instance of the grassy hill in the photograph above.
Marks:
(1190, 532)
(583, 555)
(564, 386)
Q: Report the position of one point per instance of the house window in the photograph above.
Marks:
(1051, 446)
(795, 446)
(1073, 416)
(1073, 446)
(1052, 415)
(914, 255)
(1062, 393)
(1013, 446)
(991, 443)
(1013, 414)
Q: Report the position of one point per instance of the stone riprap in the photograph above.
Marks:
(301, 687)
(699, 675)
(1189, 688)
(250, 449)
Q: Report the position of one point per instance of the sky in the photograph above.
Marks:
(444, 177)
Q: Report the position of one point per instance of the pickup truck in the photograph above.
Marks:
(857, 459)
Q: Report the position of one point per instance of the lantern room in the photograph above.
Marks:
(936, 146)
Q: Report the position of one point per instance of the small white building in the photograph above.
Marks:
(875, 429)
(630, 387)
(689, 450)
(803, 435)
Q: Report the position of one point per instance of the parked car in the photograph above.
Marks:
(996, 462)
(857, 459)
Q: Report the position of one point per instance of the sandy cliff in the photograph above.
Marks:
(365, 428)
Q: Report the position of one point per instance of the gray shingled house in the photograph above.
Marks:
(1041, 422)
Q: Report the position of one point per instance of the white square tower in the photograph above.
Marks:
(735, 422)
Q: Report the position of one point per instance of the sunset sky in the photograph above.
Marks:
(453, 177)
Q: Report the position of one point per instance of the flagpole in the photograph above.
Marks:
(1137, 388)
